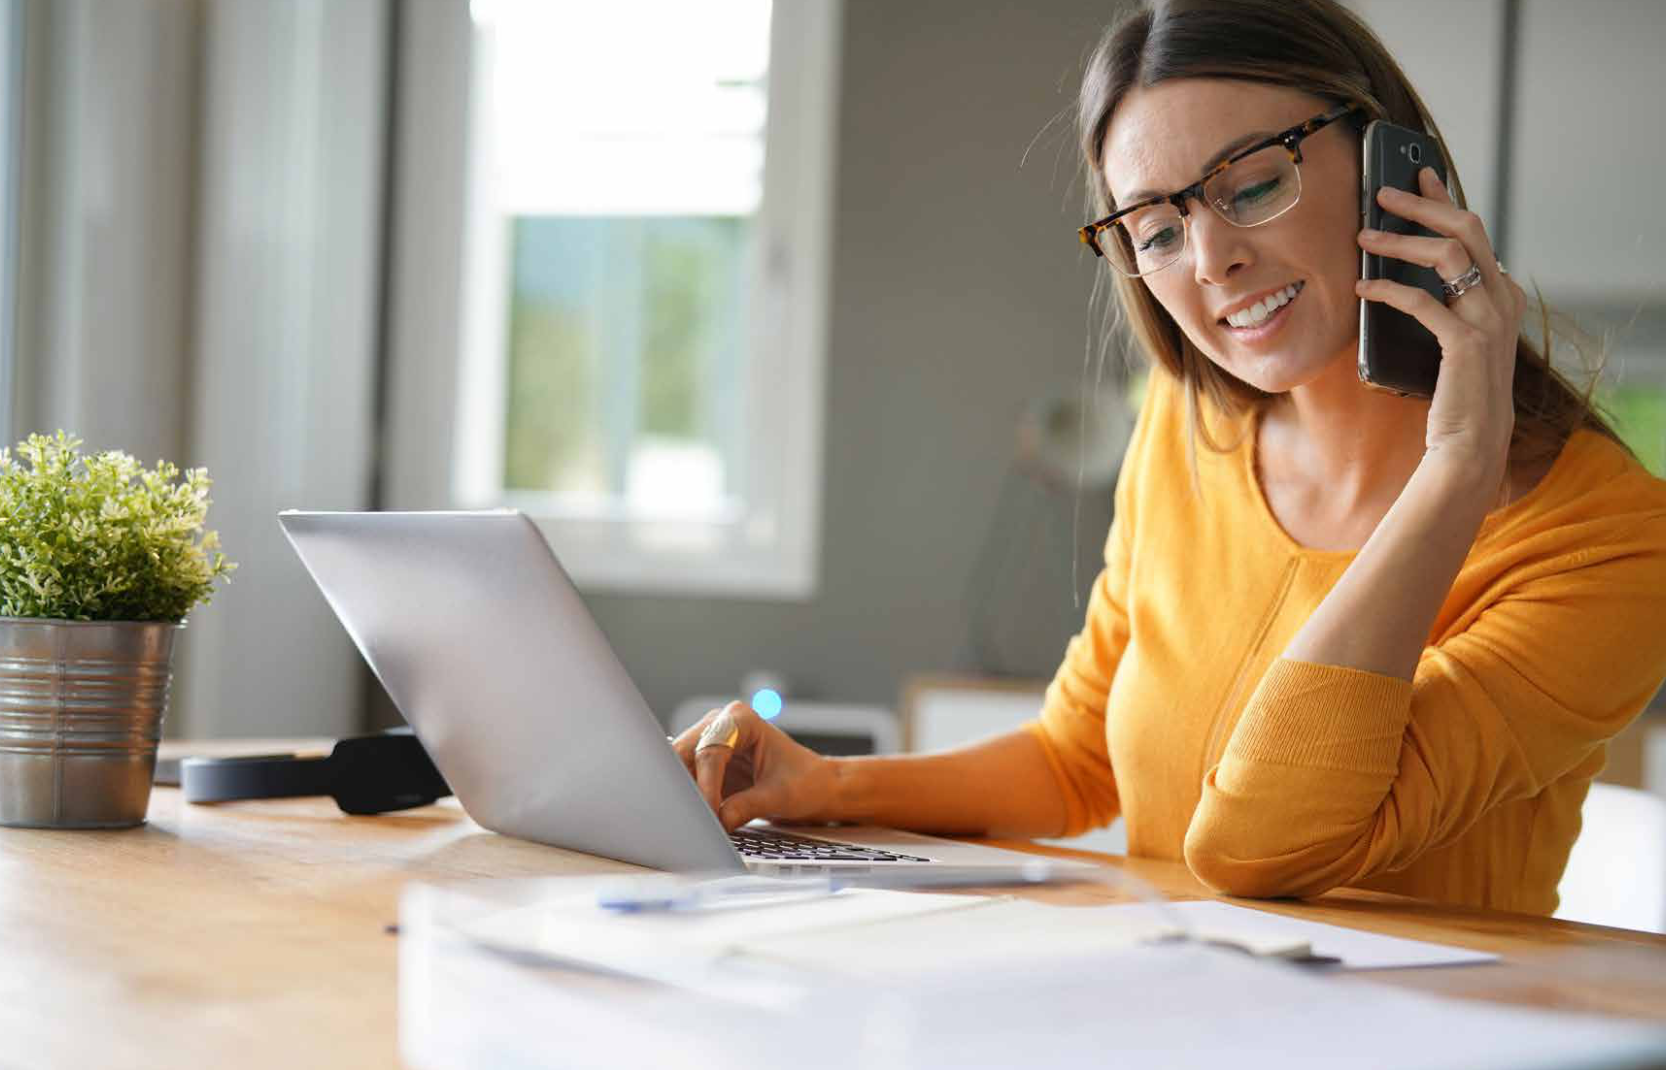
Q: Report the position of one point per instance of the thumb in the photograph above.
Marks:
(760, 800)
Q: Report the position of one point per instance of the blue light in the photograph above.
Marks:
(767, 702)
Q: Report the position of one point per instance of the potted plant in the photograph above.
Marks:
(100, 560)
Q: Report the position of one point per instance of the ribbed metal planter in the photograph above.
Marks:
(81, 707)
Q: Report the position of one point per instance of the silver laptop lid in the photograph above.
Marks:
(487, 649)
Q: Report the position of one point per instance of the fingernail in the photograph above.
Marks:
(1369, 233)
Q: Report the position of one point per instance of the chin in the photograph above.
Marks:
(1271, 373)
(1279, 373)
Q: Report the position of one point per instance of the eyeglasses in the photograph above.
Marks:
(1250, 187)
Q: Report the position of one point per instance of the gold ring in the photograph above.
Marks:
(722, 732)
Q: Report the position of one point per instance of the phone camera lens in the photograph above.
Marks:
(1416, 153)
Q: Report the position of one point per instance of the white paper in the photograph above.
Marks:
(897, 937)
(1181, 1007)
(1004, 935)
(562, 923)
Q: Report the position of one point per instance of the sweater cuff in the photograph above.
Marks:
(1324, 717)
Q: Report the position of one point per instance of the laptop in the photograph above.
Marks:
(484, 644)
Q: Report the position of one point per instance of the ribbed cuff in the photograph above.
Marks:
(1324, 717)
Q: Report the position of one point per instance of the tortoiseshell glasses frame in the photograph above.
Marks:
(1290, 139)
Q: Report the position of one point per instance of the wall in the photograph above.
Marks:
(959, 294)
(1456, 72)
(1584, 220)
(1587, 216)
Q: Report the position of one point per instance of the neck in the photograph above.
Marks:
(1335, 432)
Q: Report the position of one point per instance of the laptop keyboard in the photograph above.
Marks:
(783, 846)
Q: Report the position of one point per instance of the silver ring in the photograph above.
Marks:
(1463, 283)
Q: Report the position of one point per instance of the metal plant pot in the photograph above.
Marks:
(81, 707)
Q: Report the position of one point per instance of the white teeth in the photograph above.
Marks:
(1265, 307)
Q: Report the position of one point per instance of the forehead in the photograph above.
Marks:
(1161, 137)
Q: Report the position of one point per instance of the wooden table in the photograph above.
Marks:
(257, 933)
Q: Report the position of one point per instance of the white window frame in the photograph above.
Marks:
(441, 422)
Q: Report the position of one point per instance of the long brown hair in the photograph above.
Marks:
(1323, 49)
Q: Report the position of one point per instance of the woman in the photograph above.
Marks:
(1355, 639)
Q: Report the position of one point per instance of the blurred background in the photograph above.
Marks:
(772, 314)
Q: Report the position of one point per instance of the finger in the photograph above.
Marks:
(1443, 217)
(719, 740)
(689, 738)
(1447, 256)
(763, 800)
(1454, 333)
(1431, 185)
(1432, 205)
(1520, 297)
(1433, 208)
(1492, 274)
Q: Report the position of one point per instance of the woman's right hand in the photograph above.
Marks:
(763, 773)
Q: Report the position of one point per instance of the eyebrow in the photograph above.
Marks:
(1226, 151)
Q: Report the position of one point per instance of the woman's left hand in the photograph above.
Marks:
(1473, 412)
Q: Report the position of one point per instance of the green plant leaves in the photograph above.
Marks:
(100, 537)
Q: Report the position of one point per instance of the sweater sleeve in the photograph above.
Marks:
(1071, 728)
(1334, 774)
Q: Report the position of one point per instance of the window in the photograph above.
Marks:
(641, 353)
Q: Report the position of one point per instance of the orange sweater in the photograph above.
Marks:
(1278, 777)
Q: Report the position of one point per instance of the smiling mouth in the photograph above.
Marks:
(1264, 309)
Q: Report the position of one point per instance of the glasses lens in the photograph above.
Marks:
(1143, 241)
(1256, 188)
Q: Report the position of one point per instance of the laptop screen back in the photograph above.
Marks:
(489, 652)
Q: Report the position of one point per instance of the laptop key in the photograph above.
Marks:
(775, 845)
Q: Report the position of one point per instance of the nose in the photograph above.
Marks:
(1219, 249)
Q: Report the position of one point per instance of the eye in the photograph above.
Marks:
(1163, 238)
(1256, 193)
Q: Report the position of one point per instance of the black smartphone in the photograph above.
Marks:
(1396, 352)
